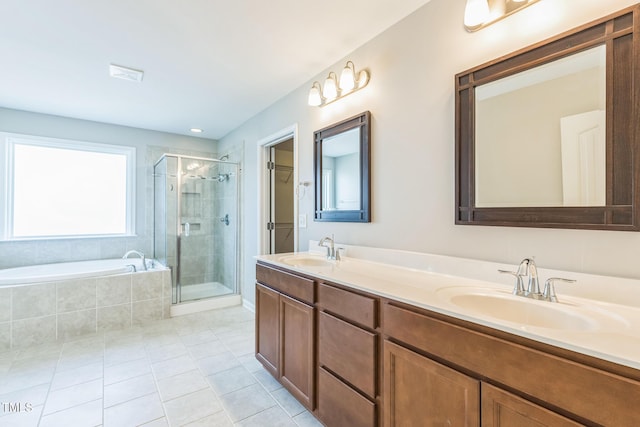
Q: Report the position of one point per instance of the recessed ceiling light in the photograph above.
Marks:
(125, 73)
(196, 130)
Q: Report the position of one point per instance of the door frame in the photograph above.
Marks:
(264, 145)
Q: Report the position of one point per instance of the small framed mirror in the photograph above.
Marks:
(342, 171)
(549, 137)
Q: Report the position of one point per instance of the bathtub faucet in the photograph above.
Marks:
(141, 255)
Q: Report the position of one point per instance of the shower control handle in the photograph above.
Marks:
(225, 219)
(187, 229)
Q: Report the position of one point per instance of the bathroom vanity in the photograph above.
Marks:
(362, 343)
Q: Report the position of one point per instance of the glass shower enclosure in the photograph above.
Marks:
(196, 225)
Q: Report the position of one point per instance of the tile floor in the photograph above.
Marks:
(195, 370)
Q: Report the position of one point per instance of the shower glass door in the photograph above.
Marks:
(207, 241)
(201, 220)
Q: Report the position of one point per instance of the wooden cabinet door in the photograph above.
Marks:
(268, 328)
(297, 349)
(423, 393)
(503, 409)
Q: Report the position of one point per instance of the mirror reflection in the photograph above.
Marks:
(540, 135)
(341, 171)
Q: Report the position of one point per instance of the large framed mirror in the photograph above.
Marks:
(548, 136)
(342, 171)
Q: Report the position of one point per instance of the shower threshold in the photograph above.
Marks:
(205, 296)
(203, 290)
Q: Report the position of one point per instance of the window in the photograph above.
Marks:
(59, 188)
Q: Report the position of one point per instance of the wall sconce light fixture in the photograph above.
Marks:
(334, 89)
(481, 13)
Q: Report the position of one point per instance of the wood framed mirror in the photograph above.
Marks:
(342, 167)
(548, 135)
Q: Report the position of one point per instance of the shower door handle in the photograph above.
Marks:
(187, 229)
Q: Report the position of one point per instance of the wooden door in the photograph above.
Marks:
(502, 409)
(297, 349)
(268, 328)
(423, 393)
(584, 159)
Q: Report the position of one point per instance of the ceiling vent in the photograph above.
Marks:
(124, 73)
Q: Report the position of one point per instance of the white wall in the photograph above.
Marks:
(149, 146)
(411, 99)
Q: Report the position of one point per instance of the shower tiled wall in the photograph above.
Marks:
(225, 243)
(196, 249)
(44, 312)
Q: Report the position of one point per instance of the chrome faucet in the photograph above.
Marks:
(518, 288)
(549, 293)
(533, 288)
(332, 252)
(528, 268)
(141, 255)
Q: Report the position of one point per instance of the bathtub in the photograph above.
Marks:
(51, 302)
(68, 270)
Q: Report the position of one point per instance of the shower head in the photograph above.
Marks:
(224, 158)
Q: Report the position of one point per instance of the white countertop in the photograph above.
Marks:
(612, 330)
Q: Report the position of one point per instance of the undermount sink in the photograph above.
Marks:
(306, 260)
(523, 311)
(526, 312)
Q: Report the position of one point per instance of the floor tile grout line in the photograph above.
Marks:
(44, 404)
(42, 415)
(61, 351)
(157, 390)
(228, 333)
(104, 351)
(209, 386)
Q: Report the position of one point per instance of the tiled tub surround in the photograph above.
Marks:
(44, 312)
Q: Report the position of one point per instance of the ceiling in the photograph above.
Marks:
(210, 64)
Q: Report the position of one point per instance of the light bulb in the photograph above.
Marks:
(347, 77)
(476, 12)
(314, 95)
(330, 90)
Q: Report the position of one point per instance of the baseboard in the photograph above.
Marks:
(249, 305)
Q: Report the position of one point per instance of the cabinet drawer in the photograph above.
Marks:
(287, 283)
(357, 308)
(349, 352)
(340, 406)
